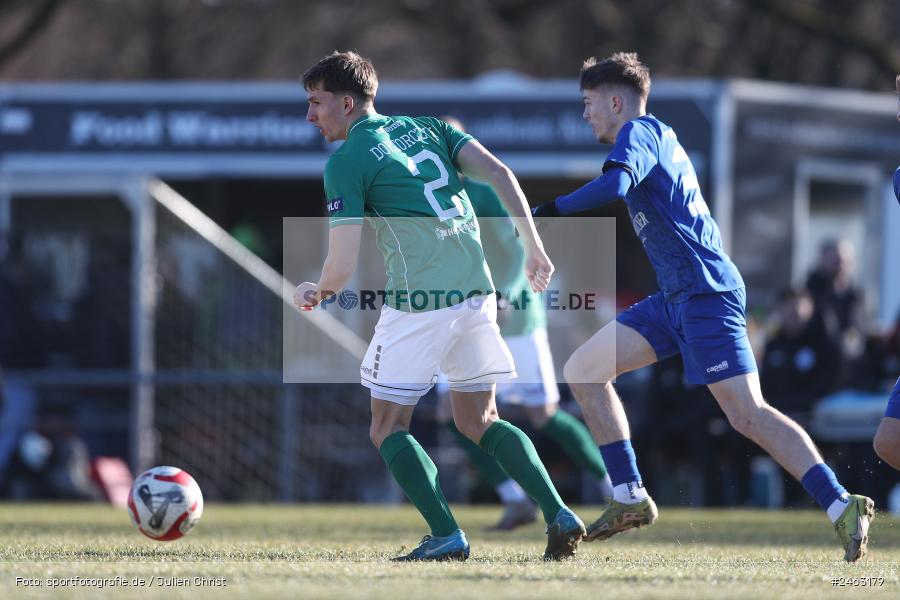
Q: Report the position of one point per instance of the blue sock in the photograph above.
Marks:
(620, 462)
(821, 483)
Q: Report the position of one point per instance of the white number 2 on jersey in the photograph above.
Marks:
(443, 179)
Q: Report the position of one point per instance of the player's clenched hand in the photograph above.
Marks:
(538, 268)
(305, 296)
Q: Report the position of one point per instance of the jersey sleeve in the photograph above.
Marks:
(345, 192)
(453, 138)
(636, 151)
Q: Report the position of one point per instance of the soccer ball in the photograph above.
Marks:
(165, 503)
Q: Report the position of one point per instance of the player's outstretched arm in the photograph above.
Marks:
(615, 183)
(343, 256)
(476, 162)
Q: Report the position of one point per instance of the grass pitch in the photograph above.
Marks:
(343, 551)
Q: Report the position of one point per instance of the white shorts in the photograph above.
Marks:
(536, 384)
(409, 349)
(537, 377)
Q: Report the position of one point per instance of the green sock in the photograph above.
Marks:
(516, 454)
(417, 475)
(487, 465)
(576, 441)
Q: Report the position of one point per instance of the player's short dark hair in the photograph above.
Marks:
(622, 68)
(344, 73)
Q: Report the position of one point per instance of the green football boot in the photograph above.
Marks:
(618, 517)
(853, 526)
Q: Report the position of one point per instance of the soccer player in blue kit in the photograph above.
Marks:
(699, 312)
(887, 438)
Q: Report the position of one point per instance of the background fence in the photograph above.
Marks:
(210, 398)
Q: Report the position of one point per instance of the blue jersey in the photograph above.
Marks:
(668, 212)
(897, 183)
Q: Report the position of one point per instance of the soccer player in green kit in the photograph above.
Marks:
(402, 175)
(523, 325)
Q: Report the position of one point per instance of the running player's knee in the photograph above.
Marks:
(744, 425)
(581, 369)
(570, 370)
(745, 420)
(880, 445)
(746, 410)
(753, 420)
(887, 447)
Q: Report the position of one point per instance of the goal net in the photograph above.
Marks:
(222, 411)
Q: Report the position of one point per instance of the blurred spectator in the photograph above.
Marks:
(836, 294)
(31, 465)
(234, 317)
(21, 347)
(100, 327)
(803, 358)
(22, 339)
(802, 362)
(879, 365)
(49, 468)
(17, 409)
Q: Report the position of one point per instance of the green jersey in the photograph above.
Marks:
(505, 255)
(400, 174)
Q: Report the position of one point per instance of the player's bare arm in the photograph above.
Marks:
(479, 164)
(339, 266)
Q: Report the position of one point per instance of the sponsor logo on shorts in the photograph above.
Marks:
(718, 368)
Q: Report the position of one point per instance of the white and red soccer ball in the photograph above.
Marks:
(165, 503)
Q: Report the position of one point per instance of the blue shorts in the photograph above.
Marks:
(708, 330)
(893, 407)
